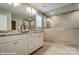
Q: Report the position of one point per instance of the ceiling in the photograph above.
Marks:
(48, 7)
(15, 11)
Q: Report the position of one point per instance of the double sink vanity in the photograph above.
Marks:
(20, 35)
(22, 43)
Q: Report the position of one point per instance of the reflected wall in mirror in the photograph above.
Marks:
(30, 23)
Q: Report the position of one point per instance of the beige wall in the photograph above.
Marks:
(64, 29)
(65, 20)
(44, 21)
(65, 36)
(31, 24)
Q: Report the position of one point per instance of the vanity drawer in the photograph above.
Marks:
(14, 47)
(16, 37)
(12, 38)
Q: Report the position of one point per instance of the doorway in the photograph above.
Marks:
(13, 25)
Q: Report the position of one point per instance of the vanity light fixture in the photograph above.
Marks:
(31, 10)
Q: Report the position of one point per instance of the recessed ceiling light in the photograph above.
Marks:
(44, 6)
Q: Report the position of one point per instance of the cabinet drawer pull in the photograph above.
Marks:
(16, 42)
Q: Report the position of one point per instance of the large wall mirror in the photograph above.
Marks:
(3, 23)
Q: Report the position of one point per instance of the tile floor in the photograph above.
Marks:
(56, 49)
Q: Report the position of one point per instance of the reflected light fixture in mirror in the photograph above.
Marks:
(14, 4)
(28, 9)
(33, 11)
(48, 19)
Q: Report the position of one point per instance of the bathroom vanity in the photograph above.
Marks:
(23, 40)
(21, 44)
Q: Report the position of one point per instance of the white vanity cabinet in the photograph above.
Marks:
(15, 47)
(18, 45)
(40, 40)
(21, 44)
(35, 41)
(32, 42)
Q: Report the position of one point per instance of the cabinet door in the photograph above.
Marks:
(35, 41)
(8, 48)
(15, 47)
(31, 43)
(12, 38)
(40, 39)
(21, 46)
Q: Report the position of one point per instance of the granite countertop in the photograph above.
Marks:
(18, 33)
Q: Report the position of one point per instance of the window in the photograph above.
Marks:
(38, 21)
